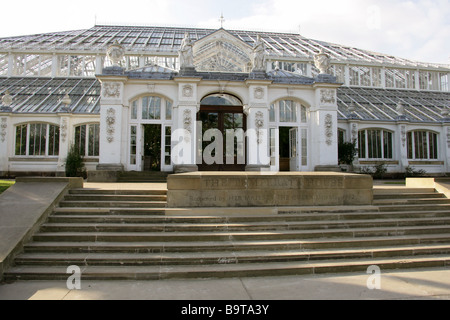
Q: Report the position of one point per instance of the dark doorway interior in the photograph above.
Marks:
(152, 147)
(284, 148)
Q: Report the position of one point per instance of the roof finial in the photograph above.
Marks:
(222, 20)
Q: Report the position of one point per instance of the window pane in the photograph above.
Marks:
(80, 139)
(21, 140)
(362, 144)
(388, 147)
(93, 146)
(38, 132)
(53, 141)
(133, 142)
(168, 147)
(168, 110)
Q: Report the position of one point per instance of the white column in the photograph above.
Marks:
(184, 134)
(111, 125)
(402, 146)
(65, 140)
(6, 136)
(324, 129)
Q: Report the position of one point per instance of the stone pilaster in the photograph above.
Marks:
(324, 132)
(112, 128)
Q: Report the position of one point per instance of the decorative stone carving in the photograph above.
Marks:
(259, 56)
(187, 91)
(329, 129)
(110, 124)
(7, 99)
(115, 53)
(111, 90)
(448, 137)
(151, 88)
(403, 135)
(327, 96)
(354, 132)
(186, 53)
(322, 62)
(3, 127)
(187, 123)
(259, 124)
(63, 130)
(258, 93)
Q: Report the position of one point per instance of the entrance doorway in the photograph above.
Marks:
(289, 149)
(151, 147)
(225, 113)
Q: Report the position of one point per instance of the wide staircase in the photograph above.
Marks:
(125, 235)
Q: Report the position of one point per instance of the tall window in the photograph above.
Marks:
(375, 144)
(37, 139)
(422, 145)
(87, 139)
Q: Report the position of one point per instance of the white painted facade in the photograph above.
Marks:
(323, 108)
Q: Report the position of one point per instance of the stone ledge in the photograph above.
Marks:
(268, 189)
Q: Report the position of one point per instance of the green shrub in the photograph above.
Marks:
(75, 164)
(347, 152)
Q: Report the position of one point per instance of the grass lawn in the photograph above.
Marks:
(5, 185)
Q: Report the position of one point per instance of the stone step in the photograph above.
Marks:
(401, 201)
(402, 190)
(98, 197)
(117, 192)
(233, 245)
(413, 207)
(238, 236)
(107, 226)
(231, 257)
(409, 196)
(105, 216)
(112, 204)
(85, 211)
(223, 270)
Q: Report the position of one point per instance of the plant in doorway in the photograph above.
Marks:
(75, 164)
(347, 154)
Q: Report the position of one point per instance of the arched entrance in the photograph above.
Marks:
(223, 133)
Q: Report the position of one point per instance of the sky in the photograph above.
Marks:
(412, 29)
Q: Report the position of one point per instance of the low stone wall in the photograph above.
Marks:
(264, 189)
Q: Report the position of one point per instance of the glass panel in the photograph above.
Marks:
(134, 110)
(288, 111)
(53, 141)
(221, 100)
(151, 108)
(168, 110)
(362, 144)
(273, 155)
(272, 113)
(168, 148)
(133, 145)
(304, 138)
(21, 140)
(38, 134)
(80, 139)
(388, 148)
(94, 139)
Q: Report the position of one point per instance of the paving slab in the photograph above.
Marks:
(417, 284)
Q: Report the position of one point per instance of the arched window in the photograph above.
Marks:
(422, 145)
(37, 139)
(87, 139)
(288, 111)
(375, 144)
(151, 108)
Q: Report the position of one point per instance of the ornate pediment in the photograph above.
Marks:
(222, 52)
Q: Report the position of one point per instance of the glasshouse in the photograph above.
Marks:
(172, 99)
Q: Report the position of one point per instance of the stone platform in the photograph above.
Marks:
(268, 189)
